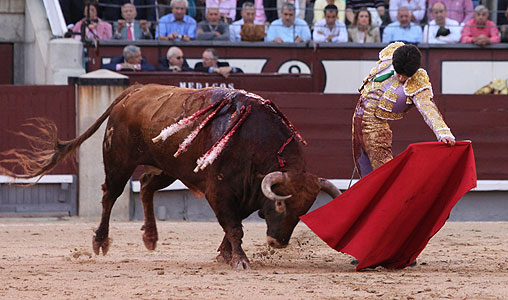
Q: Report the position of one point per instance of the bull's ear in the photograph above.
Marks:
(261, 214)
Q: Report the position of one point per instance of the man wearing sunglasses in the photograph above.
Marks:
(174, 61)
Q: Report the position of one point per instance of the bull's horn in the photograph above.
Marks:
(268, 181)
(329, 188)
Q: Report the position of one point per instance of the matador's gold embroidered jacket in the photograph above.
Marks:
(394, 99)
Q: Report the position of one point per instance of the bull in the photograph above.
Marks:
(233, 147)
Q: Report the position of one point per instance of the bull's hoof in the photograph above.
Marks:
(150, 241)
(224, 258)
(97, 246)
(240, 263)
(150, 237)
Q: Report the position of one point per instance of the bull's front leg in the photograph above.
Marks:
(225, 251)
(224, 206)
(234, 235)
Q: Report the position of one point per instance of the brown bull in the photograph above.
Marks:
(228, 145)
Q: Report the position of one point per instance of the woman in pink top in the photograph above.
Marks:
(97, 29)
(479, 30)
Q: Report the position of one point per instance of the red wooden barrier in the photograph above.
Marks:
(20, 103)
(6, 63)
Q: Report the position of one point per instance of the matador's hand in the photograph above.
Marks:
(448, 140)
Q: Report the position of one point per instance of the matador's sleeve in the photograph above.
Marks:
(419, 89)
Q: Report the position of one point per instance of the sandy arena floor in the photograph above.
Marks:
(54, 260)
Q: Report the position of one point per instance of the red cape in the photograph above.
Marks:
(387, 218)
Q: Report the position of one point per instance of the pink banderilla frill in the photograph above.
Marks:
(209, 157)
(183, 123)
(190, 138)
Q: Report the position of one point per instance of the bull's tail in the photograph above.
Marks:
(46, 150)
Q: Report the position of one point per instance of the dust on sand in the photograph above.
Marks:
(54, 260)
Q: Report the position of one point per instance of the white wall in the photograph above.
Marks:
(465, 77)
(346, 76)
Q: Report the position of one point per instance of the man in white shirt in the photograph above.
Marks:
(330, 29)
(248, 15)
(441, 30)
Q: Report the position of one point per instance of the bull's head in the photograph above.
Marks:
(291, 195)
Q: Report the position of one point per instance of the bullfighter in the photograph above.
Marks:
(393, 86)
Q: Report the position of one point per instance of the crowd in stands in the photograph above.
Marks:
(288, 21)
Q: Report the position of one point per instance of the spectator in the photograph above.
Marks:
(287, 29)
(129, 28)
(95, 28)
(130, 61)
(480, 30)
(376, 9)
(441, 30)
(211, 64)
(72, 10)
(227, 9)
(417, 8)
(403, 30)
(248, 17)
(213, 28)
(299, 8)
(266, 10)
(319, 7)
(362, 30)
(330, 29)
(174, 61)
(176, 26)
(458, 10)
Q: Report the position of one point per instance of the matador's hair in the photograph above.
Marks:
(406, 60)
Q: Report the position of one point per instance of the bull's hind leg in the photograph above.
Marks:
(112, 189)
(150, 183)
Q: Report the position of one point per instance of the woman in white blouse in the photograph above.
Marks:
(362, 31)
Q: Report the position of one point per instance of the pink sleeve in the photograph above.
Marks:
(77, 28)
(106, 31)
(467, 36)
(494, 33)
